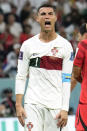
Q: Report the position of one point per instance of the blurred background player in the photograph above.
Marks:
(7, 105)
(80, 75)
(48, 58)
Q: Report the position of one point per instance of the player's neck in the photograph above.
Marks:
(47, 37)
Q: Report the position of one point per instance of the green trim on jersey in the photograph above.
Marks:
(35, 62)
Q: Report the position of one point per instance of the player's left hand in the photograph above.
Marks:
(62, 118)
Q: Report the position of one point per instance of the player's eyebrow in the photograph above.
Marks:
(51, 13)
(44, 13)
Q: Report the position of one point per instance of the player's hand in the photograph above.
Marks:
(21, 114)
(62, 118)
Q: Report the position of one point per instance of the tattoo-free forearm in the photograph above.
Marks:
(19, 98)
(73, 82)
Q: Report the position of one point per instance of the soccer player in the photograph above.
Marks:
(80, 74)
(48, 58)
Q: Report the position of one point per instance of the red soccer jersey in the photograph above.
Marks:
(81, 61)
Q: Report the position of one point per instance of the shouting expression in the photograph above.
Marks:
(46, 18)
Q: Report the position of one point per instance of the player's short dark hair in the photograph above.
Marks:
(47, 5)
(83, 28)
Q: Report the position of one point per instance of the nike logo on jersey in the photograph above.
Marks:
(34, 54)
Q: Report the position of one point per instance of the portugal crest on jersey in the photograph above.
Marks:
(54, 51)
(29, 126)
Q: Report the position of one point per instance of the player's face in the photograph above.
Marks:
(47, 18)
(81, 37)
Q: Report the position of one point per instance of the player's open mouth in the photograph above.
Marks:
(47, 23)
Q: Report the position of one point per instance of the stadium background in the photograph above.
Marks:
(17, 23)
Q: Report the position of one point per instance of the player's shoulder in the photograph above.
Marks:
(64, 42)
(83, 44)
(29, 42)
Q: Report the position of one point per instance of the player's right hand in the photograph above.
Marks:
(21, 114)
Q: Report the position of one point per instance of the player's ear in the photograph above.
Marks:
(55, 18)
(86, 33)
(37, 18)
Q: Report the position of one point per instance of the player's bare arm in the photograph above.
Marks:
(73, 81)
(19, 109)
(77, 73)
